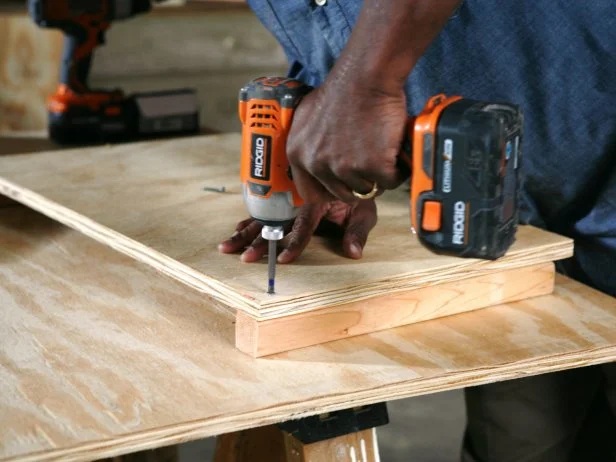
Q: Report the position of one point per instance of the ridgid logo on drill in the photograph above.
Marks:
(261, 153)
(459, 223)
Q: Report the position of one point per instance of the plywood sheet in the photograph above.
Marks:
(100, 355)
(147, 200)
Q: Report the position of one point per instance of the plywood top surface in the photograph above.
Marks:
(101, 355)
(147, 199)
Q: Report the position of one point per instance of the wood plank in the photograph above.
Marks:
(255, 444)
(270, 444)
(101, 356)
(147, 200)
(262, 338)
(360, 446)
(29, 68)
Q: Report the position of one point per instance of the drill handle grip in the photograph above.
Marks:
(74, 70)
(79, 45)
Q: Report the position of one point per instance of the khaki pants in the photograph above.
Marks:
(567, 416)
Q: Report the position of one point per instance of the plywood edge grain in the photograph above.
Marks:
(560, 249)
(262, 338)
(127, 246)
(214, 426)
(551, 248)
(247, 333)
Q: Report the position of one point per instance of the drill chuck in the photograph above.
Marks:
(272, 233)
(275, 210)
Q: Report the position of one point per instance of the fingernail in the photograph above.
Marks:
(244, 256)
(356, 250)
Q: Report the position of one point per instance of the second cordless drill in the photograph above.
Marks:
(80, 114)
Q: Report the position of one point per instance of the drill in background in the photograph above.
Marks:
(464, 158)
(80, 114)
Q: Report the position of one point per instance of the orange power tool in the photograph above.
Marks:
(80, 114)
(464, 158)
(266, 107)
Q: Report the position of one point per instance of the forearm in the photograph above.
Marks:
(389, 38)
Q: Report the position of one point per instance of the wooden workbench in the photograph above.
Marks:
(101, 355)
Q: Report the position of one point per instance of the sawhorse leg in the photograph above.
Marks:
(342, 436)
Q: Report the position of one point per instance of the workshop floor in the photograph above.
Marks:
(423, 429)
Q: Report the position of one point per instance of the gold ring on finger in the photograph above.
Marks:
(370, 195)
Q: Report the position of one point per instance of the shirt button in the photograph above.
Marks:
(320, 2)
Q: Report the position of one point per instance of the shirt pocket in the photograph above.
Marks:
(333, 23)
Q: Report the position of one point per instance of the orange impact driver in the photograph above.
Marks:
(266, 109)
(464, 157)
(80, 114)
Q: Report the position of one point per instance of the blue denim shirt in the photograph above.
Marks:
(556, 59)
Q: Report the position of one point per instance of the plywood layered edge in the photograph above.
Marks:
(110, 358)
(128, 246)
(204, 428)
(263, 338)
(287, 306)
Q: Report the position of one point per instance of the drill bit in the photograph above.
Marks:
(271, 234)
(271, 267)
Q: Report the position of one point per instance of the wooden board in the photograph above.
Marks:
(147, 200)
(262, 338)
(361, 446)
(261, 443)
(29, 68)
(100, 355)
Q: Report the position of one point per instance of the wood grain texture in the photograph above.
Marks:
(147, 201)
(100, 355)
(262, 338)
(29, 67)
(254, 444)
(360, 446)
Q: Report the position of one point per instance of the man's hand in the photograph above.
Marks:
(353, 221)
(346, 134)
(346, 137)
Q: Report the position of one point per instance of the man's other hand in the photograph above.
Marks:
(352, 221)
(346, 136)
